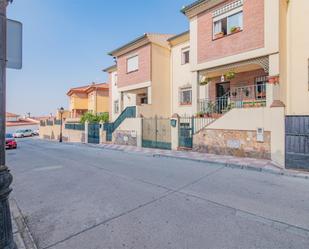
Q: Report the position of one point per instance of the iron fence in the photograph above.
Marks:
(75, 126)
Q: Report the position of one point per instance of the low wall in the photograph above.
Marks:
(235, 133)
(68, 135)
(129, 132)
(125, 137)
(233, 142)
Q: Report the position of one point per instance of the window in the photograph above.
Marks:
(185, 56)
(132, 64)
(227, 24)
(186, 96)
(116, 106)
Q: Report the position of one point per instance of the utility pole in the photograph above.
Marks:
(6, 234)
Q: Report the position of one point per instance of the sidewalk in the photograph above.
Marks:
(228, 161)
(22, 236)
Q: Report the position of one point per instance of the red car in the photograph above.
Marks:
(10, 142)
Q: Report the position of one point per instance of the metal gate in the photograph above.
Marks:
(156, 133)
(94, 133)
(186, 131)
(297, 142)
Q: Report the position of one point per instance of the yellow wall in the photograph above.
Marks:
(78, 101)
(160, 88)
(102, 102)
(297, 55)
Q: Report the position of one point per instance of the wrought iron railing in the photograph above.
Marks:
(237, 97)
(129, 112)
(73, 126)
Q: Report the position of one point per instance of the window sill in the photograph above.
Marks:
(219, 38)
(134, 71)
(185, 104)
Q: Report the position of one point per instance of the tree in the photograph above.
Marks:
(94, 118)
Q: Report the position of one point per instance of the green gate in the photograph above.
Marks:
(156, 133)
(94, 133)
(186, 131)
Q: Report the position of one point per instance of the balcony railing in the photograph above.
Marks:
(237, 97)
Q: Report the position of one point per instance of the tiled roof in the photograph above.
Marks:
(88, 88)
(160, 39)
(11, 115)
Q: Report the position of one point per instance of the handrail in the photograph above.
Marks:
(129, 112)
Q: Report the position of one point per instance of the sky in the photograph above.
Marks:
(65, 44)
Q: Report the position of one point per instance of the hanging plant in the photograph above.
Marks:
(230, 75)
(204, 81)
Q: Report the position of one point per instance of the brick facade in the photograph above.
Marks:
(143, 74)
(252, 36)
(232, 142)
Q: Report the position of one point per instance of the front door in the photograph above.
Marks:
(222, 90)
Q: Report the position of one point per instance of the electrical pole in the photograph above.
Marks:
(6, 234)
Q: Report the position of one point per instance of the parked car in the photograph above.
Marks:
(10, 142)
(35, 133)
(23, 133)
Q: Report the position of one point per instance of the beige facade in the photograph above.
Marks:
(295, 59)
(91, 98)
(147, 85)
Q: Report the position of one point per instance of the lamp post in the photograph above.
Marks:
(61, 111)
(6, 234)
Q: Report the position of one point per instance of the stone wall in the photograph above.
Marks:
(122, 137)
(233, 142)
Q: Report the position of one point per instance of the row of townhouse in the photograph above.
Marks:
(92, 98)
(241, 70)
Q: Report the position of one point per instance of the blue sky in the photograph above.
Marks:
(65, 44)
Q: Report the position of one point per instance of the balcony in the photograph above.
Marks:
(251, 96)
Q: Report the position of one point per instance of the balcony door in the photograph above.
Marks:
(222, 90)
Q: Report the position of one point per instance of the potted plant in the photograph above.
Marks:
(219, 35)
(200, 114)
(230, 75)
(235, 29)
(273, 80)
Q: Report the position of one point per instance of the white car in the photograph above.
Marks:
(23, 133)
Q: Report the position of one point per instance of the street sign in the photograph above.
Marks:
(14, 44)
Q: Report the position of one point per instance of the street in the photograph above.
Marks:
(83, 197)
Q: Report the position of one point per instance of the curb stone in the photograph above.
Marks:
(21, 232)
(239, 166)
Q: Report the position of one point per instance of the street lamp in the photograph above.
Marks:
(6, 234)
(61, 111)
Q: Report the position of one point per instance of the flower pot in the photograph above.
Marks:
(235, 30)
(219, 35)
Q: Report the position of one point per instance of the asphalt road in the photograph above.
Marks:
(80, 197)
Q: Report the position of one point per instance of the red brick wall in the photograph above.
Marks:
(144, 72)
(252, 36)
(241, 79)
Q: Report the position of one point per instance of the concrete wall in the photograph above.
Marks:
(132, 129)
(180, 78)
(249, 119)
(297, 56)
(53, 133)
(160, 88)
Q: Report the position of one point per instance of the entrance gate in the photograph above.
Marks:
(94, 133)
(156, 133)
(297, 142)
(186, 131)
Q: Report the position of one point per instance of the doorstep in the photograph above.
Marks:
(260, 165)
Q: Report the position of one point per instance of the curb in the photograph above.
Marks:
(239, 166)
(22, 236)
